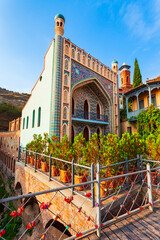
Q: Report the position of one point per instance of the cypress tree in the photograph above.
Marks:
(137, 77)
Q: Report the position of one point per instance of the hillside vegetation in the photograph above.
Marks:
(11, 104)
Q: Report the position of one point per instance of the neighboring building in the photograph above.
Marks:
(74, 94)
(9, 144)
(15, 125)
(141, 97)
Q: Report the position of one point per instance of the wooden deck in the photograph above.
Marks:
(142, 226)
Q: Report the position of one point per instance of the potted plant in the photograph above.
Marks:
(65, 173)
(80, 176)
(65, 153)
(44, 164)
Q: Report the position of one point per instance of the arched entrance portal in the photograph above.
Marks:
(85, 109)
(86, 133)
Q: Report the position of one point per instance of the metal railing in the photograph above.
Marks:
(54, 168)
(136, 191)
(135, 113)
(89, 115)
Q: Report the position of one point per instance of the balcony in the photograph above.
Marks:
(89, 117)
(135, 113)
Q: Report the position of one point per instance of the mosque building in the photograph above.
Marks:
(75, 93)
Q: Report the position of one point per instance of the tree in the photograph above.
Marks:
(137, 77)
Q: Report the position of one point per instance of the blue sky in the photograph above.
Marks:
(106, 29)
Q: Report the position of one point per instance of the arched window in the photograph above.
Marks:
(23, 123)
(86, 133)
(72, 106)
(127, 79)
(57, 23)
(65, 96)
(27, 123)
(64, 130)
(85, 109)
(73, 53)
(66, 64)
(66, 79)
(84, 59)
(67, 49)
(93, 65)
(89, 62)
(97, 68)
(72, 135)
(64, 113)
(98, 111)
(78, 56)
(39, 116)
(33, 118)
(101, 70)
(61, 24)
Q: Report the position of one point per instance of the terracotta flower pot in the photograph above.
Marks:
(32, 161)
(44, 166)
(38, 163)
(28, 159)
(65, 176)
(80, 179)
(54, 171)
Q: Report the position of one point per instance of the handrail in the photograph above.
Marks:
(123, 175)
(44, 192)
(134, 159)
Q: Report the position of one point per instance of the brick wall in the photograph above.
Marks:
(34, 182)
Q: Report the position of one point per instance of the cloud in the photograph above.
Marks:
(142, 19)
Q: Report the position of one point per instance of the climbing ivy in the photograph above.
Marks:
(148, 122)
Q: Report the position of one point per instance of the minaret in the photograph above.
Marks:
(125, 76)
(57, 76)
(115, 66)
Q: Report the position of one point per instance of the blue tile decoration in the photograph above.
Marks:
(56, 102)
(85, 73)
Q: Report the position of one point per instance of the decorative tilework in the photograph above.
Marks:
(85, 73)
(80, 95)
(56, 98)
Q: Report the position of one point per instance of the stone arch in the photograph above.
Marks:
(56, 228)
(31, 209)
(65, 96)
(66, 49)
(66, 64)
(18, 186)
(64, 130)
(98, 84)
(86, 133)
(73, 53)
(78, 56)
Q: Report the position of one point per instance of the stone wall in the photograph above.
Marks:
(9, 144)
